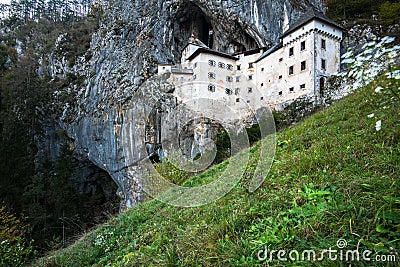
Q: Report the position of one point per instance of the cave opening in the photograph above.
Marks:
(192, 20)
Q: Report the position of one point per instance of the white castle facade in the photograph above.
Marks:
(298, 66)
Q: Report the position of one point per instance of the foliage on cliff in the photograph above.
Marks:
(381, 15)
(43, 191)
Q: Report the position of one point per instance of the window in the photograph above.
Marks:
(211, 75)
(303, 65)
(229, 67)
(262, 84)
(211, 63)
(229, 79)
(262, 98)
(323, 64)
(251, 77)
(237, 79)
(303, 86)
(291, 51)
(221, 65)
(237, 90)
(194, 77)
(322, 86)
(195, 65)
(323, 44)
(237, 100)
(251, 65)
(262, 69)
(211, 88)
(248, 101)
(250, 90)
(291, 70)
(303, 46)
(281, 59)
(280, 93)
(238, 67)
(280, 77)
(228, 91)
(291, 89)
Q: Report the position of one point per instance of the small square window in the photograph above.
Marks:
(303, 65)
(280, 93)
(291, 89)
(262, 69)
(323, 44)
(221, 65)
(228, 91)
(291, 70)
(237, 100)
(280, 77)
(212, 63)
(323, 64)
(238, 67)
(194, 77)
(248, 101)
(195, 65)
(251, 77)
(250, 90)
(303, 86)
(229, 67)
(229, 79)
(237, 79)
(303, 46)
(211, 88)
(291, 51)
(237, 90)
(211, 75)
(262, 98)
(251, 65)
(281, 59)
(163, 68)
(262, 84)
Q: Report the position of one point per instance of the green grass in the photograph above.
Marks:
(334, 177)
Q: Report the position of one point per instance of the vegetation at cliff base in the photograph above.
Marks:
(335, 176)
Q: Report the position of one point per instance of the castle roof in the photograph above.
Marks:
(212, 52)
(310, 15)
(196, 42)
(270, 51)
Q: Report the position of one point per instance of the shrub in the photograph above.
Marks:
(15, 250)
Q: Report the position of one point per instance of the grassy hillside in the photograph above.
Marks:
(334, 177)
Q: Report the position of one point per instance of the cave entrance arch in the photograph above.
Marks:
(192, 20)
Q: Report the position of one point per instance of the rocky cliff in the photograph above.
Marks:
(112, 107)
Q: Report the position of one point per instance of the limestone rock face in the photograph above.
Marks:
(110, 110)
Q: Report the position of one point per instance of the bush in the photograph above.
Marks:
(390, 12)
(15, 250)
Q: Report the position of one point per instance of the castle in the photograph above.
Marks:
(298, 66)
